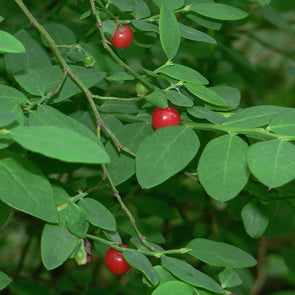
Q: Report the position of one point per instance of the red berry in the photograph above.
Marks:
(115, 261)
(165, 117)
(122, 37)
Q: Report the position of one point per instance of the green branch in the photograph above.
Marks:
(126, 210)
(157, 254)
(252, 132)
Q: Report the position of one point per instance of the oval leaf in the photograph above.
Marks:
(272, 162)
(229, 278)
(219, 11)
(31, 193)
(169, 32)
(255, 219)
(183, 73)
(195, 35)
(206, 94)
(178, 98)
(222, 167)
(220, 254)
(60, 143)
(5, 280)
(253, 116)
(155, 158)
(141, 263)
(98, 214)
(9, 43)
(189, 274)
(57, 244)
(31, 82)
(284, 123)
(10, 93)
(174, 288)
(158, 99)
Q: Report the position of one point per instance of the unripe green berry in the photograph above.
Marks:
(141, 90)
(88, 60)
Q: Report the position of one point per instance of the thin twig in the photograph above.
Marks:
(126, 210)
(260, 279)
(157, 254)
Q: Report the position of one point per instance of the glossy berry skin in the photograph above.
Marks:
(115, 261)
(165, 117)
(122, 37)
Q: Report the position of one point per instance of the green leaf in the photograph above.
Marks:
(169, 32)
(272, 162)
(123, 5)
(155, 158)
(113, 236)
(31, 82)
(229, 278)
(6, 118)
(140, 9)
(204, 21)
(126, 107)
(183, 73)
(174, 288)
(140, 262)
(31, 193)
(220, 254)
(165, 275)
(61, 34)
(60, 143)
(76, 220)
(255, 219)
(206, 94)
(59, 194)
(98, 214)
(179, 99)
(219, 11)
(145, 26)
(57, 244)
(222, 167)
(5, 280)
(9, 43)
(253, 116)
(122, 165)
(35, 56)
(12, 94)
(230, 94)
(48, 116)
(185, 272)
(203, 113)
(283, 123)
(13, 108)
(171, 4)
(195, 35)
(157, 98)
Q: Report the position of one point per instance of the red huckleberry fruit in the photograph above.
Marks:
(122, 37)
(115, 261)
(165, 117)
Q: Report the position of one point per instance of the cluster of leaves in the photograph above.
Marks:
(74, 133)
